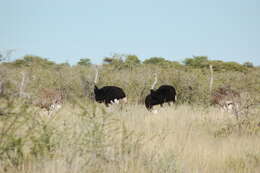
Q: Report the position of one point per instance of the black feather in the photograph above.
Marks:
(108, 94)
(165, 93)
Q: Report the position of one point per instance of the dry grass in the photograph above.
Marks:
(177, 139)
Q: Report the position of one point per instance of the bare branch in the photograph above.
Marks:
(21, 90)
(5, 54)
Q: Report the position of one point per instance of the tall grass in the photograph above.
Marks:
(94, 138)
(84, 136)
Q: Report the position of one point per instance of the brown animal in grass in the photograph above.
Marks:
(50, 99)
(226, 98)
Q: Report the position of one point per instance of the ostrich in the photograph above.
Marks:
(165, 93)
(50, 99)
(225, 97)
(108, 94)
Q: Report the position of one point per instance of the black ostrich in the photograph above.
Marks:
(164, 94)
(108, 94)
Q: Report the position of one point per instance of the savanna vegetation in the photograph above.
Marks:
(84, 136)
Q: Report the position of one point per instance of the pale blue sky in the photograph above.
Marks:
(67, 30)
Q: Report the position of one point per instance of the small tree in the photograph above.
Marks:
(132, 60)
(108, 60)
(156, 60)
(32, 60)
(116, 60)
(233, 66)
(248, 64)
(197, 61)
(84, 62)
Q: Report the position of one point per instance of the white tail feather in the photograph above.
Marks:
(115, 101)
(155, 111)
(124, 99)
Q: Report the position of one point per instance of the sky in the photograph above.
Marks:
(66, 30)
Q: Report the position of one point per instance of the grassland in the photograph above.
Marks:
(93, 138)
(83, 136)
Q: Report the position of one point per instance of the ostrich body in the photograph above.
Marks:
(108, 94)
(164, 94)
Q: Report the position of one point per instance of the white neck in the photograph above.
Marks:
(96, 77)
(155, 81)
